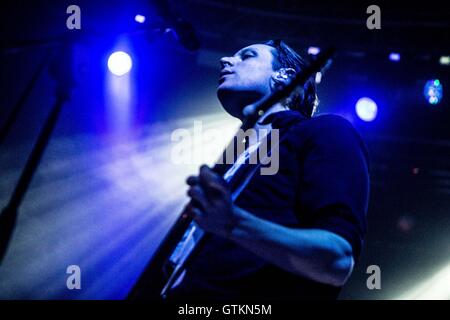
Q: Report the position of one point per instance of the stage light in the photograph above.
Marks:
(318, 77)
(433, 91)
(119, 63)
(313, 50)
(366, 109)
(434, 288)
(444, 60)
(393, 56)
(139, 18)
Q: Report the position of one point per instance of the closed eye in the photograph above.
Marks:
(247, 54)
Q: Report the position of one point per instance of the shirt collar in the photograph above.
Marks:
(282, 119)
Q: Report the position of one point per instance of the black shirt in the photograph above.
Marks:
(322, 182)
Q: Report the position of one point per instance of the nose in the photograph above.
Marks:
(226, 62)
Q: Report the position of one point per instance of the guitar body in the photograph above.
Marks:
(156, 274)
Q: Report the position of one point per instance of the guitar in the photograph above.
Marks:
(185, 238)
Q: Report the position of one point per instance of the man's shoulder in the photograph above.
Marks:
(326, 125)
(329, 132)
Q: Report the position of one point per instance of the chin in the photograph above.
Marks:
(230, 101)
(234, 100)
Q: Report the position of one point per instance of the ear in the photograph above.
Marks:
(281, 77)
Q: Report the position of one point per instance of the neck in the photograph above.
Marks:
(275, 108)
(261, 130)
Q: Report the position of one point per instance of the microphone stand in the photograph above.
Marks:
(23, 98)
(61, 72)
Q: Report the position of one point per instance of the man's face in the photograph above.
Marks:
(245, 77)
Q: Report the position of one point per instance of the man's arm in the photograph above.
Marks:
(334, 193)
(316, 254)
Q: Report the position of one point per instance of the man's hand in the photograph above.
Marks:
(211, 206)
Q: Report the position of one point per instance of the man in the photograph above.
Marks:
(292, 235)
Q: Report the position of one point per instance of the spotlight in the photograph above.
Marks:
(444, 60)
(394, 56)
(139, 18)
(119, 63)
(313, 50)
(318, 77)
(366, 109)
(433, 91)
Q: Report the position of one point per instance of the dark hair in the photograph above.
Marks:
(286, 57)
